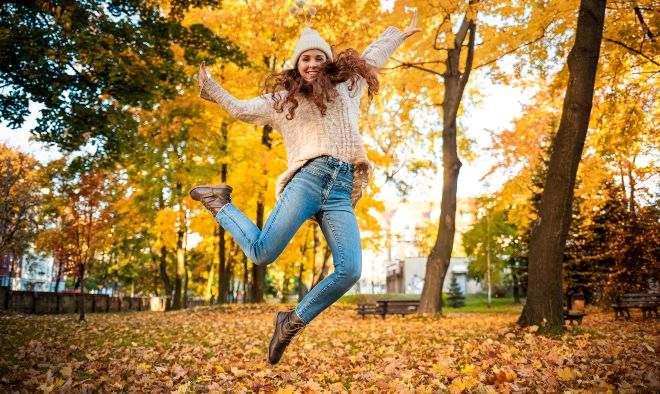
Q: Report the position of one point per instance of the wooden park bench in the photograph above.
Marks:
(391, 307)
(577, 310)
(647, 302)
(574, 315)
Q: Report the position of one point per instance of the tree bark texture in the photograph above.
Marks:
(224, 268)
(548, 237)
(454, 82)
(180, 259)
(259, 271)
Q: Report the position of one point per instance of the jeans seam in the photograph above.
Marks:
(276, 213)
(319, 294)
(334, 235)
(312, 171)
(331, 184)
(234, 221)
(336, 278)
(221, 209)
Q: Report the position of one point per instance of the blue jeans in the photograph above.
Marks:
(321, 188)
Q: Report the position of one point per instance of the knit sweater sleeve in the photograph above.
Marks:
(258, 110)
(378, 53)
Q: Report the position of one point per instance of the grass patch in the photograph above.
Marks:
(355, 299)
(474, 303)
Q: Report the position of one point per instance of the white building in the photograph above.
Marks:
(30, 272)
(403, 223)
(407, 276)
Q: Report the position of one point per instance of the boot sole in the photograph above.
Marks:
(197, 198)
(271, 340)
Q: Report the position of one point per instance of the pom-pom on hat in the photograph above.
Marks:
(310, 39)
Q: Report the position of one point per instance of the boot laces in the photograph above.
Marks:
(292, 330)
(209, 199)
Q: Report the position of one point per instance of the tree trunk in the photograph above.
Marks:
(301, 269)
(325, 267)
(59, 275)
(454, 81)
(186, 271)
(301, 284)
(208, 295)
(548, 237)
(224, 268)
(81, 304)
(516, 287)
(245, 280)
(165, 278)
(184, 296)
(259, 271)
(180, 270)
(317, 253)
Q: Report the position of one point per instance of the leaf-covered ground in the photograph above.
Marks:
(224, 349)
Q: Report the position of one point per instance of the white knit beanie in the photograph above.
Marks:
(310, 39)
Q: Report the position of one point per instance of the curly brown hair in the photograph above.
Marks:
(348, 65)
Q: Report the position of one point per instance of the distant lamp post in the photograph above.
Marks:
(488, 260)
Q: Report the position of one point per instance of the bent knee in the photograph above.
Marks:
(351, 275)
(263, 258)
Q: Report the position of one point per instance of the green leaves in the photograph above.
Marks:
(91, 65)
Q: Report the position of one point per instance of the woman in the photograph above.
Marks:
(315, 107)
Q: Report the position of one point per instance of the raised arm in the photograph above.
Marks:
(382, 49)
(258, 110)
(379, 52)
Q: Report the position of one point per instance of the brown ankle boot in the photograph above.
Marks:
(213, 197)
(287, 325)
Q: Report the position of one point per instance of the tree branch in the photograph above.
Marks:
(638, 12)
(631, 50)
(462, 31)
(435, 40)
(468, 68)
(413, 65)
(539, 38)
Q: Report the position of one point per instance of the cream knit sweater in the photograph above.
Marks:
(309, 135)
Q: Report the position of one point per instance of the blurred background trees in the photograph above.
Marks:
(116, 91)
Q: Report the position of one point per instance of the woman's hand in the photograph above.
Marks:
(412, 29)
(202, 76)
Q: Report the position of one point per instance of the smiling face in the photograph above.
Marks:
(309, 64)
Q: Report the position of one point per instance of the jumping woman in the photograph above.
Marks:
(315, 106)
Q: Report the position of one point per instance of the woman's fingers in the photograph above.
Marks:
(412, 29)
(413, 23)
